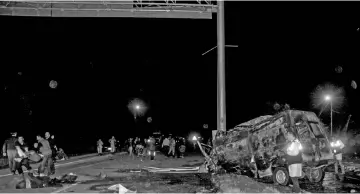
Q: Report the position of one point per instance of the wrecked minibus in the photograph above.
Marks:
(258, 147)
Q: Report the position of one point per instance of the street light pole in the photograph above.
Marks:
(331, 128)
(221, 109)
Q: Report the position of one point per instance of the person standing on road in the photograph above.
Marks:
(294, 159)
(112, 142)
(165, 146)
(182, 147)
(337, 146)
(130, 148)
(151, 147)
(53, 150)
(172, 147)
(46, 153)
(99, 147)
(9, 150)
(21, 155)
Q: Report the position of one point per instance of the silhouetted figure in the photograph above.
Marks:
(9, 150)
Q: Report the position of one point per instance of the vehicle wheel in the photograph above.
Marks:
(152, 157)
(281, 176)
(316, 175)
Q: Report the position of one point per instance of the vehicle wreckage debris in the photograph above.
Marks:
(256, 148)
(28, 181)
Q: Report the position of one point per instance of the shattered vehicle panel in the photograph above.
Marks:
(263, 140)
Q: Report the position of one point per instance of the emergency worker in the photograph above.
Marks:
(9, 150)
(99, 146)
(151, 147)
(337, 146)
(294, 159)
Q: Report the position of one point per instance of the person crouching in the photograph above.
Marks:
(294, 159)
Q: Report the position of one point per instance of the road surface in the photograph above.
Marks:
(97, 173)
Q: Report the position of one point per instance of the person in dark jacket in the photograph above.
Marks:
(9, 150)
(294, 159)
(53, 150)
(21, 156)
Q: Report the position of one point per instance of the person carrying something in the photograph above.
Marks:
(294, 159)
(9, 150)
(337, 146)
(172, 147)
(165, 146)
(99, 147)
(46, 153)
(21, 156)
(53, 150)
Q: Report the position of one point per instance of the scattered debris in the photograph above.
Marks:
(135, 171)
(30, 181)
(173, 170)
(120, 188)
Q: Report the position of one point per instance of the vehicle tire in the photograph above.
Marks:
(316, 175)
(152, 157)
(281, 176)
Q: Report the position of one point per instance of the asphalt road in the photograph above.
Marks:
(97, 173)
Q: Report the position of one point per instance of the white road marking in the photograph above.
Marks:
(68, 187)
(57, 165)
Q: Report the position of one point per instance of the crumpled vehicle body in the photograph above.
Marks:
(262, 141)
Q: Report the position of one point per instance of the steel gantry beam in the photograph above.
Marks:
(123, 8)
(201, 9)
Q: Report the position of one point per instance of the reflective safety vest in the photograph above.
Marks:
(337, 146)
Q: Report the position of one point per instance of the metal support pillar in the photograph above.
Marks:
(221, 109)
(331, 120)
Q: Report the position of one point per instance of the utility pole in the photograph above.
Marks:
(221, 103)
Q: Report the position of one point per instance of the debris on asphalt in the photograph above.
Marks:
(28, 181)
(135, 171)
(120, 188)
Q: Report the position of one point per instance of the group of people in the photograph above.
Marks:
(171, 146)
(141, 148)
(100, 145)
(44, 151)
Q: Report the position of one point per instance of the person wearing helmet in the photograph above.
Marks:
(9, 150)
(294, 159)
(337, 145)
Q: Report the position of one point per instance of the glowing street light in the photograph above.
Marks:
(327, 94)
(137, 107)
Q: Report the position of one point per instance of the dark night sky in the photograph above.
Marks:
(285, 50)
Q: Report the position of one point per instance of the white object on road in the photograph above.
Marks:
(121, 189)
